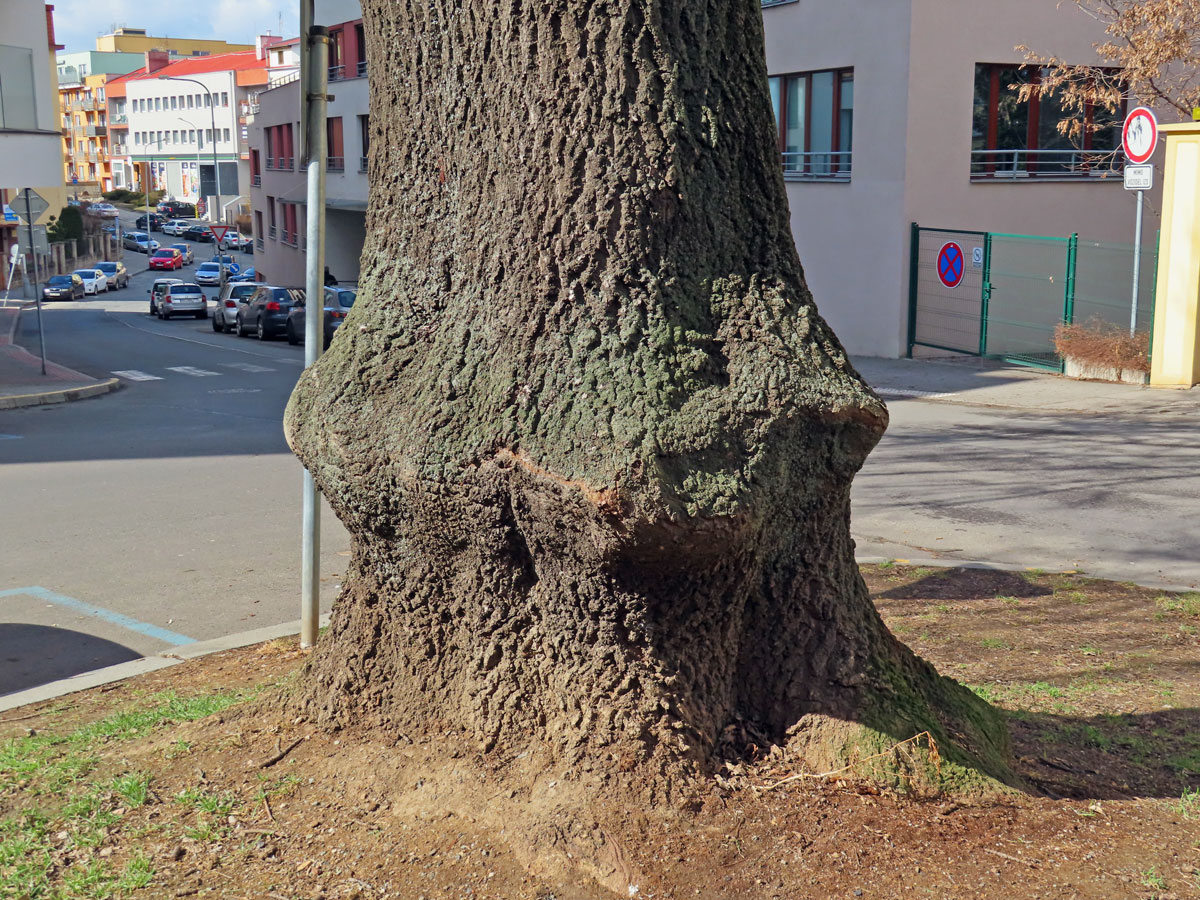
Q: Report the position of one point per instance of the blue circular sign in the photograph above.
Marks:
(951, 264)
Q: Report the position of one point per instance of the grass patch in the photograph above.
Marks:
(1185, 604)
(993, 644)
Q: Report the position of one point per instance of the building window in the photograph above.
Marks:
(336, 161)
(174, 137)
(226, 134)
(364, 133)
(224, 98)
(1015, 139)
(814, 114)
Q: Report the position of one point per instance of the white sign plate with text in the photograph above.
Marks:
(1139, 178)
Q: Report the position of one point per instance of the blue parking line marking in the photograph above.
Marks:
(105, 615)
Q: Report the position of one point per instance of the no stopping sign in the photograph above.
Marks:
(951, 264)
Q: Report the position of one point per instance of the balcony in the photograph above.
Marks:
(337, 73)
(335, 164)
(362, 68)
(1057, 165)
(362, 164)
(255, 181)
(271, 232)
(822, 165)
(119, 119)
(96, 131)
(87, 105)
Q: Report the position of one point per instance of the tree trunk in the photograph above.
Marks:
(592, 440)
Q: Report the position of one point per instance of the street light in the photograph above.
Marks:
(212, 109)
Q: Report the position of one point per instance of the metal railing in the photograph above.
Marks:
(335, 164)
(96, 131)
(256, 180)
(823, 165)
(337, 73)
(362, 164)
(118, 119)
(362, 68)
(291, 164)
(271, 232)
(258, 243)
(270, 162)
(1004, 165)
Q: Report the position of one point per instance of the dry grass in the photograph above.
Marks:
(1103, 345)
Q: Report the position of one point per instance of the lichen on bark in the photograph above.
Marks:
(591, 438)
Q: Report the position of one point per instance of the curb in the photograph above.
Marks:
(66, 395)
(172, 656)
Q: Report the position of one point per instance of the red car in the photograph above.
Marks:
(167, 258)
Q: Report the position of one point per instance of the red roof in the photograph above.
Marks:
(196, 65)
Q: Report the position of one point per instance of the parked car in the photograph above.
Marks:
(116, 273)
(94, 281)
(208, 273)
(110, 228)
(176, 208)
(199, 234)
(166, 258)
(149, 221)
(176, 227)
(266, 312)
(104, 210)
(231, 265)
(183, 297)
(232, 297)
(186, 250)
(158, 289)
(245, 275)
(235, 241)
(338, 301)
(63, 287)
(140, 241)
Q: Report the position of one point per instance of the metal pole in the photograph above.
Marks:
(37, 292)
(314, 290)
(1137, 262)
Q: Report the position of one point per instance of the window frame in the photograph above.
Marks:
(841, 160)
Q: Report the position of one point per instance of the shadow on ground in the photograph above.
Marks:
(33, 655)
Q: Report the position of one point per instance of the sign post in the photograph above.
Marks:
(1139, 137)
(34, 200)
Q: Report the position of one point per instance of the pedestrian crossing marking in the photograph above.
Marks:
(191, 370)
(135, 375)
(248, 367)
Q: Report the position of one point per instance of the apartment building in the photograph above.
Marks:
(278, 183)
(30, 137)
(902, 112)
(182, 127)
(91, 162)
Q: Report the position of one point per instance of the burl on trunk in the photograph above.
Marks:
(592, 440)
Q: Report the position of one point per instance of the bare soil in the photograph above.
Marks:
(1099, 681)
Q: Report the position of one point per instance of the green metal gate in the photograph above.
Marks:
(1016, 289)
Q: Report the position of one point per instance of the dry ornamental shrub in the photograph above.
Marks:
(1104, 345)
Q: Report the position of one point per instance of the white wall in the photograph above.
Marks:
(29, 158)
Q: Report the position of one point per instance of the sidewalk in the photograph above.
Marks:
(22, 382)
(983, 382)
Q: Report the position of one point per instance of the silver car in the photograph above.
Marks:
(183, 297)
(208, 273)
(224, 316)
(158, 289)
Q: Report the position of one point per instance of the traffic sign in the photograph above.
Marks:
(31, 202)
(218, 232)
(9, 215)
(1139, 178)
(950, 264)
(1139, 135)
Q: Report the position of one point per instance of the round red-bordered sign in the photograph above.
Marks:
(1139, 135)
(951, 264)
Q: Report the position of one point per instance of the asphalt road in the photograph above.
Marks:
(1113, 495)
(165, 512)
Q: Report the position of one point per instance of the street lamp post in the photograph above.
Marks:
(212, 109)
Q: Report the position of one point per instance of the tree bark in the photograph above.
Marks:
(590, 435)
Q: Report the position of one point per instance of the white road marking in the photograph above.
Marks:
(247, 367)
(135, 375)
(907, 392)
(11, 437)
(191, 370)
(238, 391)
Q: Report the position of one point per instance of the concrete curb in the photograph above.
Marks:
(172, 656)
(66, 395)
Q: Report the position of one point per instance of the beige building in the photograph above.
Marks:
(898, 112)
(30, 137)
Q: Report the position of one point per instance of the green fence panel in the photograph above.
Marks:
(1028, 282)
(941, 317)
(1104, 285)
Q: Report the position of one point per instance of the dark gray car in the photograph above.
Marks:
(266, 312)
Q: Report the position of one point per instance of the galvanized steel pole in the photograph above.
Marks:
(314, 291)
(1137, 262)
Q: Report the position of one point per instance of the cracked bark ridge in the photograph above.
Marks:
(590, 435)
